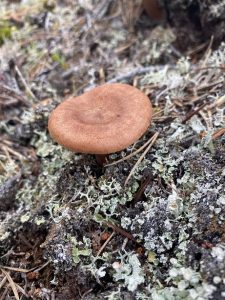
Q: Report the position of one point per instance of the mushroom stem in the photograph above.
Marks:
(101, 159)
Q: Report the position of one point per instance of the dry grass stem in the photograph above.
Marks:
(131, 154)
(154, 138)
(105, 244)
(2, 283)
(218, 133)
(28, 89)
(12, 284)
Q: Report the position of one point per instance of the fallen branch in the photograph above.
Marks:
(137, 72)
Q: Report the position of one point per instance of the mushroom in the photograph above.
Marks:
(103, 120)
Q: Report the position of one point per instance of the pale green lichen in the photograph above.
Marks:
(129, 270)
(77, 251)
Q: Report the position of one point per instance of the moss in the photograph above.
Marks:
(57, 57)
(6, 31)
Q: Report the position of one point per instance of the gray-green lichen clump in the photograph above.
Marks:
(162, 235)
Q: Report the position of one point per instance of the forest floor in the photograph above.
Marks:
(149, 226)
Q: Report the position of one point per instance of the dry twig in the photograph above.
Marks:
(192, 113)
(122, 232)
(136, 72)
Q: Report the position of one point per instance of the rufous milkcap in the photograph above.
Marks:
(103, 120)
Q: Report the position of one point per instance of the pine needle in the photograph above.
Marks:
(12, 284)
(155, 136)
(131, 154)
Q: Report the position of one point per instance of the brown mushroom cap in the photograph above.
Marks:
(104, 120)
